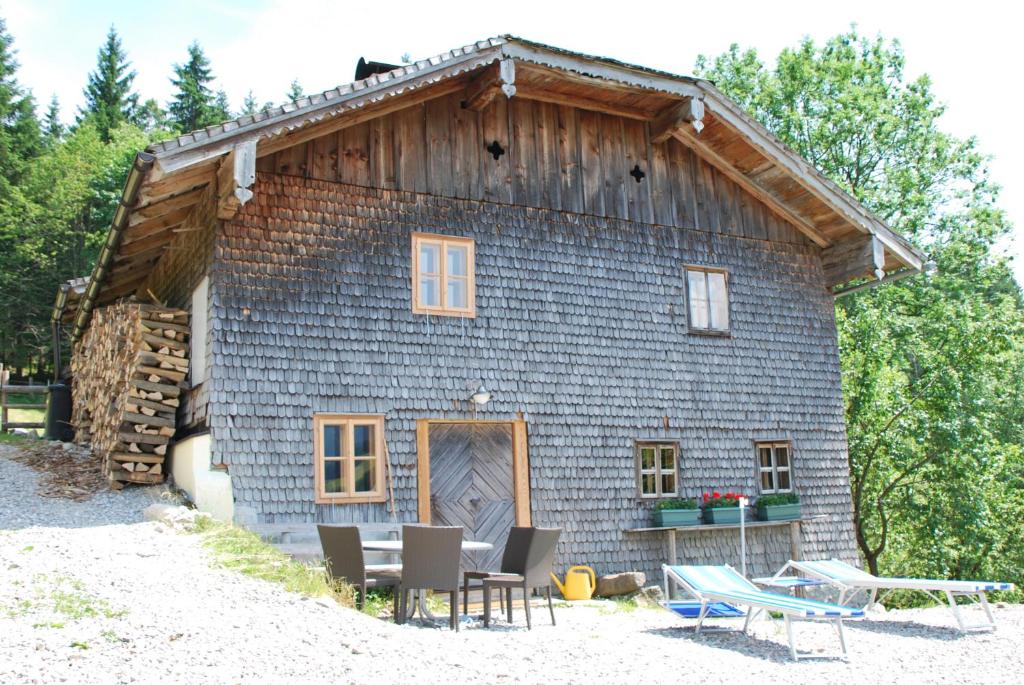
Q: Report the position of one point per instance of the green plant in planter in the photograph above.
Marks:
(779, 507)
(676, 512)
(722, 508)
(678, 503)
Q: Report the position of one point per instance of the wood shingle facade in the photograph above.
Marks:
(587, 188)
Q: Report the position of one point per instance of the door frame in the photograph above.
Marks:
(520, 465)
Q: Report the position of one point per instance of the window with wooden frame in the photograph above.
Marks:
(707, 293)
(657, 468)
(443, 278)
(774, 465)
(349, 458)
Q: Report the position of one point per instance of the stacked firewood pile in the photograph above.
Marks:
(130, 369)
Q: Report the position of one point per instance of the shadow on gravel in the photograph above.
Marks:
(747, 645)
(907, 629)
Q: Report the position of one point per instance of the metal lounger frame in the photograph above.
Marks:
(706, 599)
(847, 591)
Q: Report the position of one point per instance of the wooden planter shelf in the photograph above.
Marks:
(670, 532)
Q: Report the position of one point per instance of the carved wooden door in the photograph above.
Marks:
(471, 485)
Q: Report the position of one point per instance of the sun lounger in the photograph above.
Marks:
(850, 580)
(715, 584)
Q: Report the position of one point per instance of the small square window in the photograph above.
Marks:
(657, 467)
(349, 458)
(443, 278)
(707, 293)
(774, 467)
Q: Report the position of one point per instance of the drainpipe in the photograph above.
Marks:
(143, 163)
(58, 312)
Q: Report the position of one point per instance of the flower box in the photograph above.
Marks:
(668, 518)
(779, 512)
(721, 514)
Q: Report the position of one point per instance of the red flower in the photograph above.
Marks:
(706, 497)
(716, 495)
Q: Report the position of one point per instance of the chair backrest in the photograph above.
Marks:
(834, 569)
(343, 553)
(541, 556)
(513, 559)
(431, 556)
(713, 578)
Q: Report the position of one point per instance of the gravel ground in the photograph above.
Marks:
(88, 594)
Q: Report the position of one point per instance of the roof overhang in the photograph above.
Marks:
(169, 179)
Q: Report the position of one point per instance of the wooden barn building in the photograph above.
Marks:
(637, 277)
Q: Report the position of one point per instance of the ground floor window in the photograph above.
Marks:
(657, 468)
(775, 467)
(349, 458)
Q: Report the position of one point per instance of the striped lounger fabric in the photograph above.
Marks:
(850, 580)
(710, 584)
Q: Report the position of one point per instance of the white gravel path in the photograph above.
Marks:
(153, 610)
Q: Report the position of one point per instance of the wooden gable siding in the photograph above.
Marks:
(556, 157)
(580, 325)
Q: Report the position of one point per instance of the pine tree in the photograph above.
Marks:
(221, 107)
(109, 100)
(249, 105)
(52, 128)
(295, 90)
(194, 105)
(19, 129)
(150, 116)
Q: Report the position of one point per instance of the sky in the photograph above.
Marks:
(969, 50)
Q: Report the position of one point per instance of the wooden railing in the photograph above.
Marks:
(6, 390)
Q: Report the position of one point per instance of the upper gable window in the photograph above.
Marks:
(707, 292)
(443, 279)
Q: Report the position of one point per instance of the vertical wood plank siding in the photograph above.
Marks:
(580, 325)
(556, 157)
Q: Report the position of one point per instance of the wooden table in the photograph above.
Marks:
(395, 547)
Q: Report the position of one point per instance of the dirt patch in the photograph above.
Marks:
(67, 471)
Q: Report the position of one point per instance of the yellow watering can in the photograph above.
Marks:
(577, 584)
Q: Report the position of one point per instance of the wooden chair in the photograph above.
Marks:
(343, 556)
(430, 561)
(513, 562)
(536, 573)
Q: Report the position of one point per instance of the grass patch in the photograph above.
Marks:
(60, 599)
(378, 603)
(17, 440)
(239, 550)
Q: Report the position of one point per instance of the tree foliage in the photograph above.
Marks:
(931, 365)
(195, 105)
(109, 100)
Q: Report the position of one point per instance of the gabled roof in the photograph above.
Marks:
(169, 178)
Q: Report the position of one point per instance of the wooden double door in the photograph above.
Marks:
(472, 482)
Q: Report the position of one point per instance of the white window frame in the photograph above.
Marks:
(197, 337)
(774, 468)
(707, 303)
(347, 424)
(658, 472)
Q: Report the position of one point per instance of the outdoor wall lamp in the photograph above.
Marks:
(481, 397)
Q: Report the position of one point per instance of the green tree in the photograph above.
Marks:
(151, 117)
(194, 105)
(109, 100)
(53, 227)
(935, 442)
(250, 106)
(20, 139)
(294, 90)
(53, 129)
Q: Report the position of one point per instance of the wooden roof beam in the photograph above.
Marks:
(144, 212)
(860, 257)
(773, 203)
(689, 112)
(531, 93)
(235, 177)
(497, 79)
